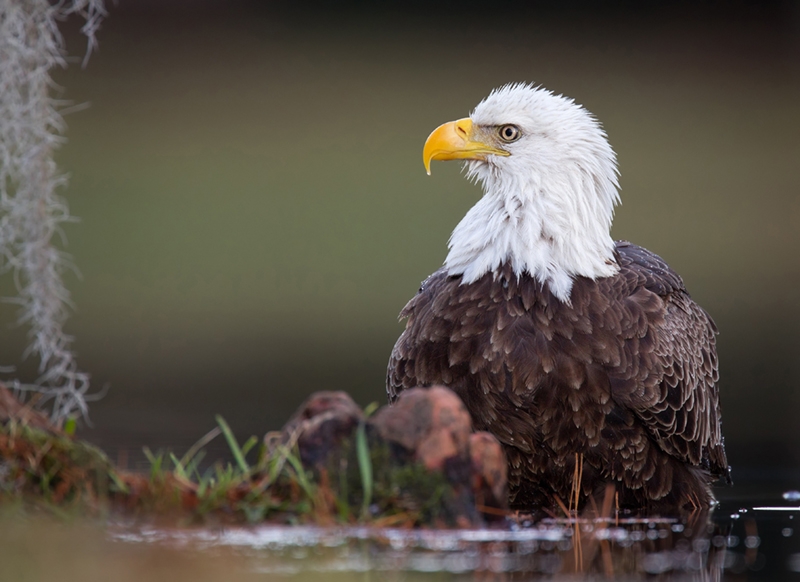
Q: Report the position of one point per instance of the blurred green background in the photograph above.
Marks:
(254, 210)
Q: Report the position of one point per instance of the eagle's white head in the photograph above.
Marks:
(550, 186)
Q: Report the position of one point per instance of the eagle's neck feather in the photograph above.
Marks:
(553, 225)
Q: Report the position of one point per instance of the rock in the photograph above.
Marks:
(432, 423)
(489, 470)
(320, 426)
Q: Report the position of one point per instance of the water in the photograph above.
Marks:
(736, 542)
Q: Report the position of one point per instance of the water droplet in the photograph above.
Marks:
(657, 563)
(793, 495)
(787, 532)
(752, 542)
(564, 545)
(701, 546)
(794, 562)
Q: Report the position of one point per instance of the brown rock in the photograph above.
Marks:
(432, 423)
(320, 425)
(489, 470)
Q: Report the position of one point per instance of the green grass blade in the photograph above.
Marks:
(365, 467)
(118, 482)
(70, 425)
(178, 470)
(370, 409)
(151, 458)
(302, 477)
(192, 468)
(249, 444)
(195, 448)
(234, 446)
(155, 462)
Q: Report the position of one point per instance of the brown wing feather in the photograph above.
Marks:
(673, 390)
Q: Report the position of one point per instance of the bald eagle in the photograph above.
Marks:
(585, 357)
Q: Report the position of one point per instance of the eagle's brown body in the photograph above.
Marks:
(623, 377)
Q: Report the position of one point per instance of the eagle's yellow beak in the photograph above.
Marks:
(455, 141)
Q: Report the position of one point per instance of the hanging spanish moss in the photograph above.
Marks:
(31, 210)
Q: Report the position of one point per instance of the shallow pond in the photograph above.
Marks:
(739, 541)
(736, 541)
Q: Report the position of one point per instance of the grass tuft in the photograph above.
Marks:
(60, 473)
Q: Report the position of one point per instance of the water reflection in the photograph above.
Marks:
(752, 541)
(728, 544)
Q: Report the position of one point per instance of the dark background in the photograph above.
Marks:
(254, 210)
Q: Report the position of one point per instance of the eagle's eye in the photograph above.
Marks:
(509, 133)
